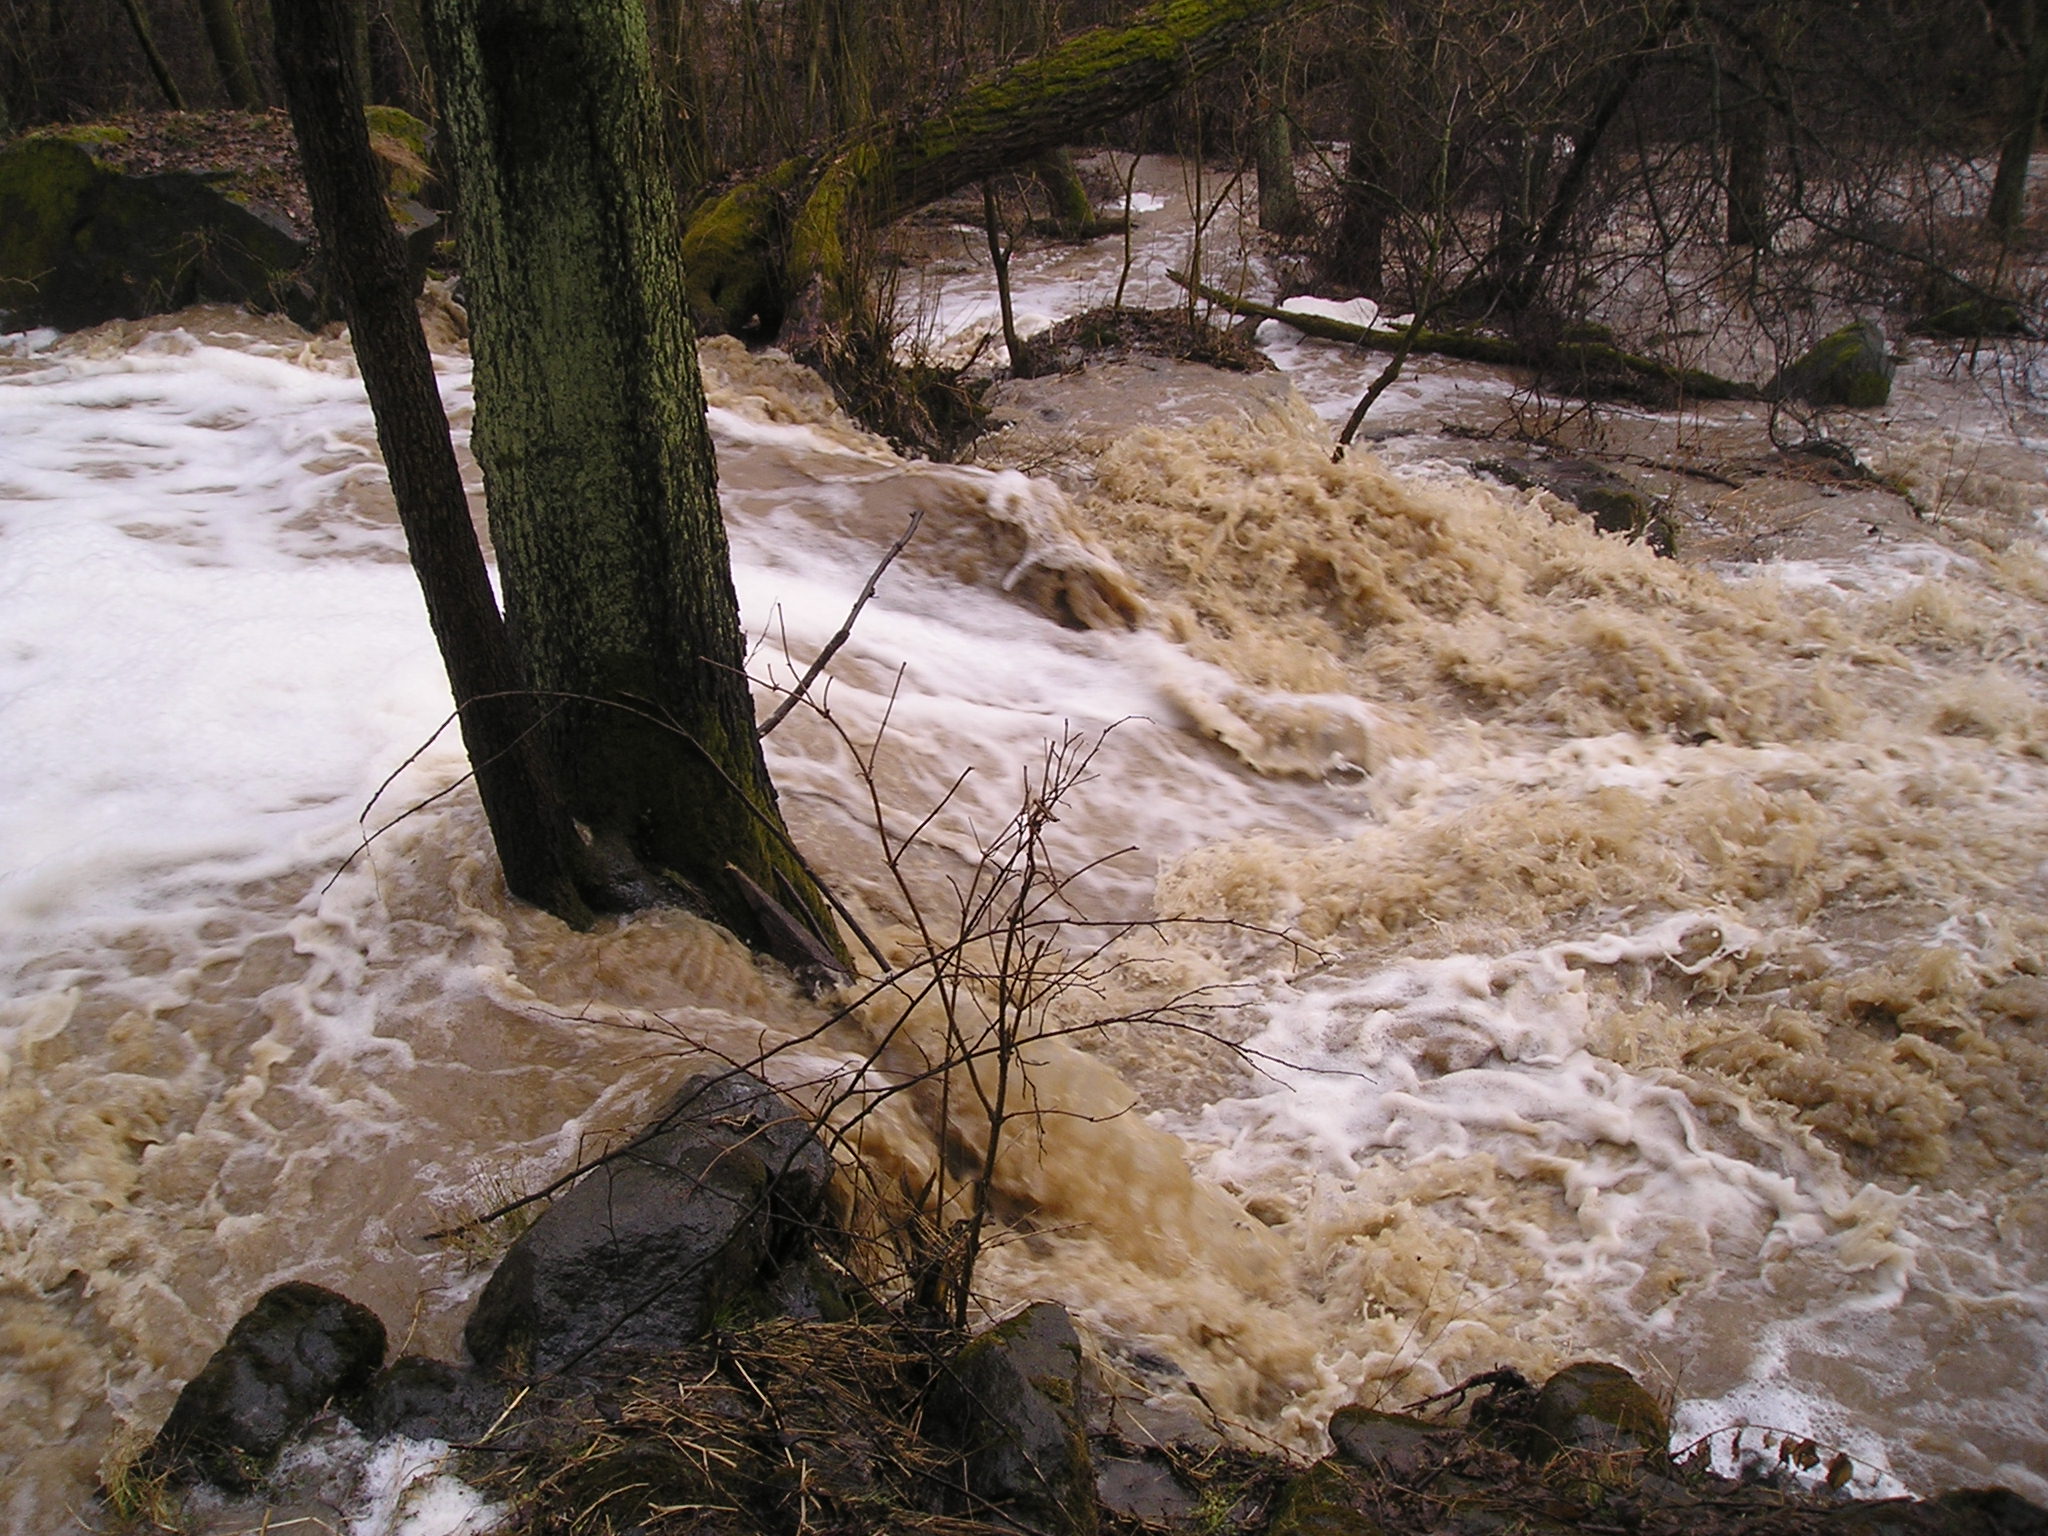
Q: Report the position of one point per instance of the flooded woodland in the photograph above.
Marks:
(1460, 937)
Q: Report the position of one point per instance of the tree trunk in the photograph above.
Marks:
(315, 53)
(1748, 127)
(146, 39)
(1279, 197)
(231, 55)
(2008, 207)
(597, 461)
(775, 246)
(1367, 206)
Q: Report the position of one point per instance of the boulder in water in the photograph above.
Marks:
(711, 1210)
(83, 241)
(1846, 367)
(1593, 1406)
(300, 1347)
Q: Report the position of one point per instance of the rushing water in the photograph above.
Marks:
(1621, 957)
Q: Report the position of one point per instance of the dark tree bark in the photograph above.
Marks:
(231, 55)
(598, 463)
(1748, 128)
(753, 264)
(1522, 270)
(146, 40)
(1280, 211)
(1358, 251)
(2008, 206)
(500, 723)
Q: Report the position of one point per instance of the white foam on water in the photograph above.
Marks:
(1589, 1039)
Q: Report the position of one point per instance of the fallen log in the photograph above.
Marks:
(773, 249)
(1598, 359)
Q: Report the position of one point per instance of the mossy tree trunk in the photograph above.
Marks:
(145, 39)
(316, 56)
(231, 55)
(597, 461)
(1280, 210)
(775, 247)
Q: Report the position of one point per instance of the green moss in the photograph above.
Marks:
(43, 182)
(89, 133)
(401, 143)
(728, 249)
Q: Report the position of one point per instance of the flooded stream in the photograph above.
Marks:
(1542, 949)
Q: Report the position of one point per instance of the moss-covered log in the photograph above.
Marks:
(598, 465)
(774, 246)
(1590, 359)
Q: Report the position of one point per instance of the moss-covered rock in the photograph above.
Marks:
(1012, 1402)
(404, 148)
(82, 241)
(1323, 1501)
(1593, 1406)
(1848, 367)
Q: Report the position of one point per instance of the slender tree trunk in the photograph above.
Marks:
(2008, 208)
(1748, 128)
(1523, 280)
(139, 20)
(598, 463)
(1279, 197)
(500, 723)
(1358, 254)
(231, 55)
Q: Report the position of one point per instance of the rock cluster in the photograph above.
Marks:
(664, 1350)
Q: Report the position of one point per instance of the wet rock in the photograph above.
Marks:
(300, 1347)
(1391, 1445)
(1593, 1406)
(1614, 503)
(82, 242)
(1965, 311)
(1963, 1512)
(1847, 367)
(1137, 1488)
(705, 1213)
(425, 1399)
(1012, 1401)
(1323, 1501)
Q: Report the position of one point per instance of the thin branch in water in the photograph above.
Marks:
(845, 630)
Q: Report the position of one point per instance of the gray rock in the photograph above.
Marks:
(1013, 1402)
(423, 1399)
(1390, 1445)
(300, 1347)
(1613, 502)
(705, 1213)
(1847, 367)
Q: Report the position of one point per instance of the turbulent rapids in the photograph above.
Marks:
(1574, 952)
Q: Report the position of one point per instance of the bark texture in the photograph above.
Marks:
(598, 465)
(499, 719)
(774, 247)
